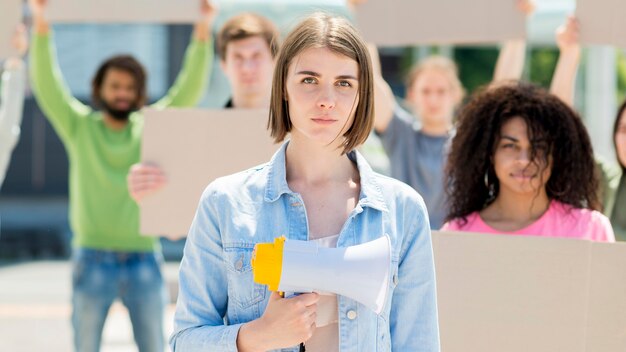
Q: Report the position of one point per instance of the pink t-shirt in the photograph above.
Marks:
(561, 220)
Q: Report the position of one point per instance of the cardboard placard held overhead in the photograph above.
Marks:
(193, 147)
(10, 17)
(124, 11)
(412, 22)
(602, 22)
(526, 293)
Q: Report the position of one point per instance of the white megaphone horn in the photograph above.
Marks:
(358, 272)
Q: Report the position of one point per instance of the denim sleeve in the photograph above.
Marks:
(413, 317)
(203, 287)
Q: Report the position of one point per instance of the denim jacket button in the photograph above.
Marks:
(239, 264)
(395, 279)
(351, 315)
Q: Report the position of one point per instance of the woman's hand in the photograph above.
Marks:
(286, 322)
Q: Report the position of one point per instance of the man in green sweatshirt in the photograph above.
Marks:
(111, 259)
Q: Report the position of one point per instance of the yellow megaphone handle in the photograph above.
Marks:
(267, 263)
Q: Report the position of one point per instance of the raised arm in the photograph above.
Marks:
(12, 101)
(194, 75)
(384, 101)
(510, 64)
(564, 79)
(49, 88)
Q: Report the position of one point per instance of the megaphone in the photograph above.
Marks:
(358, 272)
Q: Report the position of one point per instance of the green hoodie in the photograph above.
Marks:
(102, 214)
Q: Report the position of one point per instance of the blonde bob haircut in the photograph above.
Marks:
(321, 30)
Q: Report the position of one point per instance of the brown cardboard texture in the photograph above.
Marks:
(194, 147)
(527, 293)
(10, 17)
(412, 22)
(123, 11)
(602, 22)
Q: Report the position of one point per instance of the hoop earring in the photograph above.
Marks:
(491, 187)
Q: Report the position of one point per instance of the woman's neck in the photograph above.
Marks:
(309, 163)
(513, 211)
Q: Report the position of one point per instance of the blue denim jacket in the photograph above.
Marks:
(217, 294)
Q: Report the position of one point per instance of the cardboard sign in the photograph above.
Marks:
(193, 147)
(10, 17)
(602, 22)
(124, 11)
(411, 22)
(523, 293)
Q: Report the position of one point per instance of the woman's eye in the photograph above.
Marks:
(344, 84)
(508, 145)
(309, 80)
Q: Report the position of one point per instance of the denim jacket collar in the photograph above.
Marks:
(371, 195)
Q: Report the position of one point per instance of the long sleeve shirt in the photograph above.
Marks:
(102, 214)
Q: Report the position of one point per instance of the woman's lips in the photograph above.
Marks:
(324, 121)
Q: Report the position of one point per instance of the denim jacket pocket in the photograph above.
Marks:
(241, 286)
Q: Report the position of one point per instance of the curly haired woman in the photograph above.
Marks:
(522, 164)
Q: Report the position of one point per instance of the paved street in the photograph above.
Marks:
(35, 309)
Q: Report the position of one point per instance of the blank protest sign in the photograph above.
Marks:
(193, 147)
(10, 17)
(124, 11)
(527, 293)
(411, 22)
(602, 22)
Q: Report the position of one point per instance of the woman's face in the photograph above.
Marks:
(322, 93)
(515, 171)
(620, 139)
(433, 97)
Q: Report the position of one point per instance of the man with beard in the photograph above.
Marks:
(111, 260)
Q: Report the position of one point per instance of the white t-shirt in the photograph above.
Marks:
(326, 335)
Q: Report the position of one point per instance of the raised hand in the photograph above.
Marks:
(527, 7)
(567, 35)
(37, 7)
(208, 10)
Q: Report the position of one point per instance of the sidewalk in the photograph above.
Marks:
(35, 309)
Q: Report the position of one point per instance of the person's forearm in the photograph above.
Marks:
(510, 64)
(248, 340)
(40, 24)
(201, 31)
(564, 79)
(192, 78)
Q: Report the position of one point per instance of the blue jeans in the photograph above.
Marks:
(99, 277)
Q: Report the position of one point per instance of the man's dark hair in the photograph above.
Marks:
(125, 63)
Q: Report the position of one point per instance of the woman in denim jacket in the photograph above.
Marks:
(316, 187)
